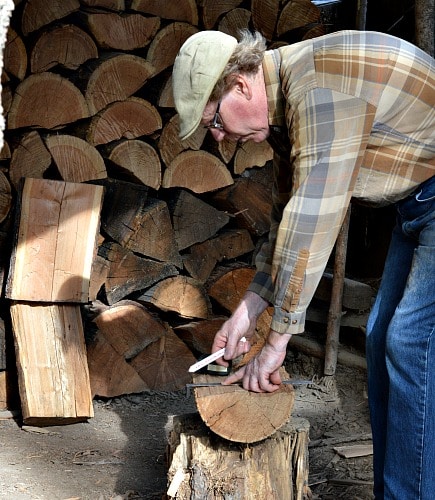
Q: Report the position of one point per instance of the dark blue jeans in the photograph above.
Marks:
(401, 356)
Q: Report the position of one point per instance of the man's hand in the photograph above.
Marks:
(241, 324)
(261, 374)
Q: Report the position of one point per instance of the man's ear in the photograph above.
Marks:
(241, 85)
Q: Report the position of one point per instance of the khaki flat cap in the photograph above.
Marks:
(197, 67)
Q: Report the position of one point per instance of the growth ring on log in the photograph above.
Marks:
(239, 415)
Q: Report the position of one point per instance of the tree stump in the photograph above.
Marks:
(204, 465)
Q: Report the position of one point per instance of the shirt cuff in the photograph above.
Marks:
(285, 322)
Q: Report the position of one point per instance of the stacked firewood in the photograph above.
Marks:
(87, 98)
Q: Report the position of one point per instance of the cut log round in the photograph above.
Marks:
(295, 14)
(181, 10)
(140, 160)
(30, 158)
(122, 32)
(166, 94)
(239, 415)
(5, 197)
(46, 100)
(212, 11)
(170, 145)
(76, 159)
(199, 335)
(166, 44)
(67, 46)
(198, 171)
(15, 55)
(264, 16)
(115, 78)
(235, 21)
(130, 119)
(252, 154)
(178, 294)
(39, 13)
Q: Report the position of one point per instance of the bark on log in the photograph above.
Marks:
(202, 465)
(30, 107)
(67, 46)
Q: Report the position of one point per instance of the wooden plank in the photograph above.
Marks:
(53, 373)
(56, 241)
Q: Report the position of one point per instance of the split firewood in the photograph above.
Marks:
(5, 151)
(30, 158)
(15, 55)
(265, 16)
(226, 410)
(138, 223)
(198, 171)
(164, 364)
(178, 294)
(109, 373)
(5, 197)
(170, 145)
(249, 201)
(130, 119)
(166, 94)
(138, 160)
(252, 154)
(194, 220)
(115, 77)
(99, 273)
(166, 44)
(296, 14)
(182, 10)
(227, 149)
(67, 46)
(6, 94)
(127, 326)
(235, 21)
(129, 273)
(39, 13)
(212, 10)
(201, 258)
(30, 107)
(56, 243)
(76, 159)
(51, 362)
(121, 32)
(199, 335)
(116, 5)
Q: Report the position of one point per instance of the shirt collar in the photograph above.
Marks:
(271, 66)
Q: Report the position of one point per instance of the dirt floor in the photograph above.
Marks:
(120, 453)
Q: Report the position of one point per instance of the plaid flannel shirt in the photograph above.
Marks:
(352, 114)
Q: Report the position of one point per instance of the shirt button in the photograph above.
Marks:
(294, 322)
(285, 320)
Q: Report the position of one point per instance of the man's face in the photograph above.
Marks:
(239, 118)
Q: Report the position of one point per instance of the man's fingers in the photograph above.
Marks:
(234, 377)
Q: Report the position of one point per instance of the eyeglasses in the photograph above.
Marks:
(217, 120)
